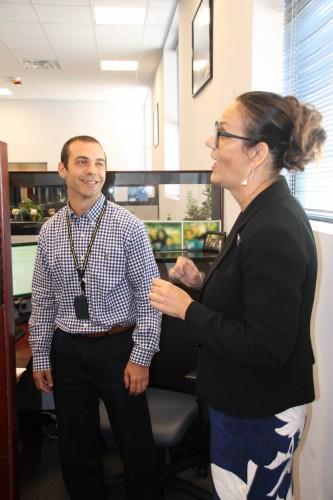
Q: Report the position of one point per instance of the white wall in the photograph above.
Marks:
(232, 45)
(314, 480)
(171, 122)
(35, 131)
(157, 98)
(233, 65)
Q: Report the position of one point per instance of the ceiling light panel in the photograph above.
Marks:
(115, 65)
(132, 32)
(4, 91)
(120, 15)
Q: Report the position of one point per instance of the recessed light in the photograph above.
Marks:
(120, 15)
(116, 65)
(4, 91)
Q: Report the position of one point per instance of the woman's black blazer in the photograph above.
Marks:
(252, 324)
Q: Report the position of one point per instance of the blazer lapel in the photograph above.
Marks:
(225, 249)
(277, 190)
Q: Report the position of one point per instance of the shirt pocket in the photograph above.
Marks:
(107, 270)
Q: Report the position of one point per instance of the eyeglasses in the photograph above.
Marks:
(222, 133)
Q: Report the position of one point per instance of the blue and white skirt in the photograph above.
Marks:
(252, 458)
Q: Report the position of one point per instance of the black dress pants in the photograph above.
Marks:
(84, 370)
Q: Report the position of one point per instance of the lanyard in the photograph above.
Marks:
(81, 271)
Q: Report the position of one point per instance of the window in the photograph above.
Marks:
(308, 74)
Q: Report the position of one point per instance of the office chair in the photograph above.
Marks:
(178, 420)
(172, 414)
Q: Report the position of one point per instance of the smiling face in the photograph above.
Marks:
(232, 156)
(84, 173)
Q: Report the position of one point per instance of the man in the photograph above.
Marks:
(93, 332)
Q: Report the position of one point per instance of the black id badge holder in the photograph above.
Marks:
(80, 301)
(81, 307)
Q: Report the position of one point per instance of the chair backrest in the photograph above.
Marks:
(177, 357)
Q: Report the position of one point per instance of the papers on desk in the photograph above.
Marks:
(19, 372)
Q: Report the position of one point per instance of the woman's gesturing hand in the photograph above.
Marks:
(169, 298)
(187, 272)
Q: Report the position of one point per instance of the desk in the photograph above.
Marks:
(197, 257)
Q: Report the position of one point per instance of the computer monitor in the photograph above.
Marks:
(23, 262)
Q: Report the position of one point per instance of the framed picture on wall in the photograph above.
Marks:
(155, 126)
(202, 46)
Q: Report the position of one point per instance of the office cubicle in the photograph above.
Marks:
(150, 195)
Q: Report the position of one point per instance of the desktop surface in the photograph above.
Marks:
(197, 255)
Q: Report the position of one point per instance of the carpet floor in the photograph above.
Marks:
(39, 469)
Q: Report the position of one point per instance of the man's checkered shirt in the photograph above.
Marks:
(118, 277)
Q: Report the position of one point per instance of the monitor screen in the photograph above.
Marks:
(23, 262)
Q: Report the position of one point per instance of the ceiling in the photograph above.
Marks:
(63, 36)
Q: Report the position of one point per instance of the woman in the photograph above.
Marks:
(253, 320)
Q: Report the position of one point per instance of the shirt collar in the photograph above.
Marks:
(92, 213)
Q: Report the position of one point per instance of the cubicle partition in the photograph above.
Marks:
(164, 196)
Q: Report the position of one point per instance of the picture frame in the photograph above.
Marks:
(194, 232)
(202, 46)
(214, 241)
(155, 126)
(164, 235)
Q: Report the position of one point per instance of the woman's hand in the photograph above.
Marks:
(169, 298)
(187, 272)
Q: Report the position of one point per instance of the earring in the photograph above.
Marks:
(250, 175)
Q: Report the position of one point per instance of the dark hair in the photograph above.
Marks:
(292, 130)
(65, 149)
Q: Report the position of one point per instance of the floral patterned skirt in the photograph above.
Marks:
(252, 458)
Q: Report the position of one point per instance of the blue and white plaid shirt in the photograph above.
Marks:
(118, 278)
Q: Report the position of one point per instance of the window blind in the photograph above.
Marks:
(308, 74)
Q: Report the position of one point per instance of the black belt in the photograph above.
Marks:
(113, 331)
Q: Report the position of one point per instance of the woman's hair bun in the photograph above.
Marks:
(292, 130)
(307, 135)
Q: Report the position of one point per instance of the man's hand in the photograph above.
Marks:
(43, 380)
(136, 378)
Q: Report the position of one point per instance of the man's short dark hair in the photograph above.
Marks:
(83, 138)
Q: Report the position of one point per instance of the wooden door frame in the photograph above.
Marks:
(8, 414)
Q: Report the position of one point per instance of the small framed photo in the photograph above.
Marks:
(214, 241)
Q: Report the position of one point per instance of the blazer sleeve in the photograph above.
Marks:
(272, 267)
